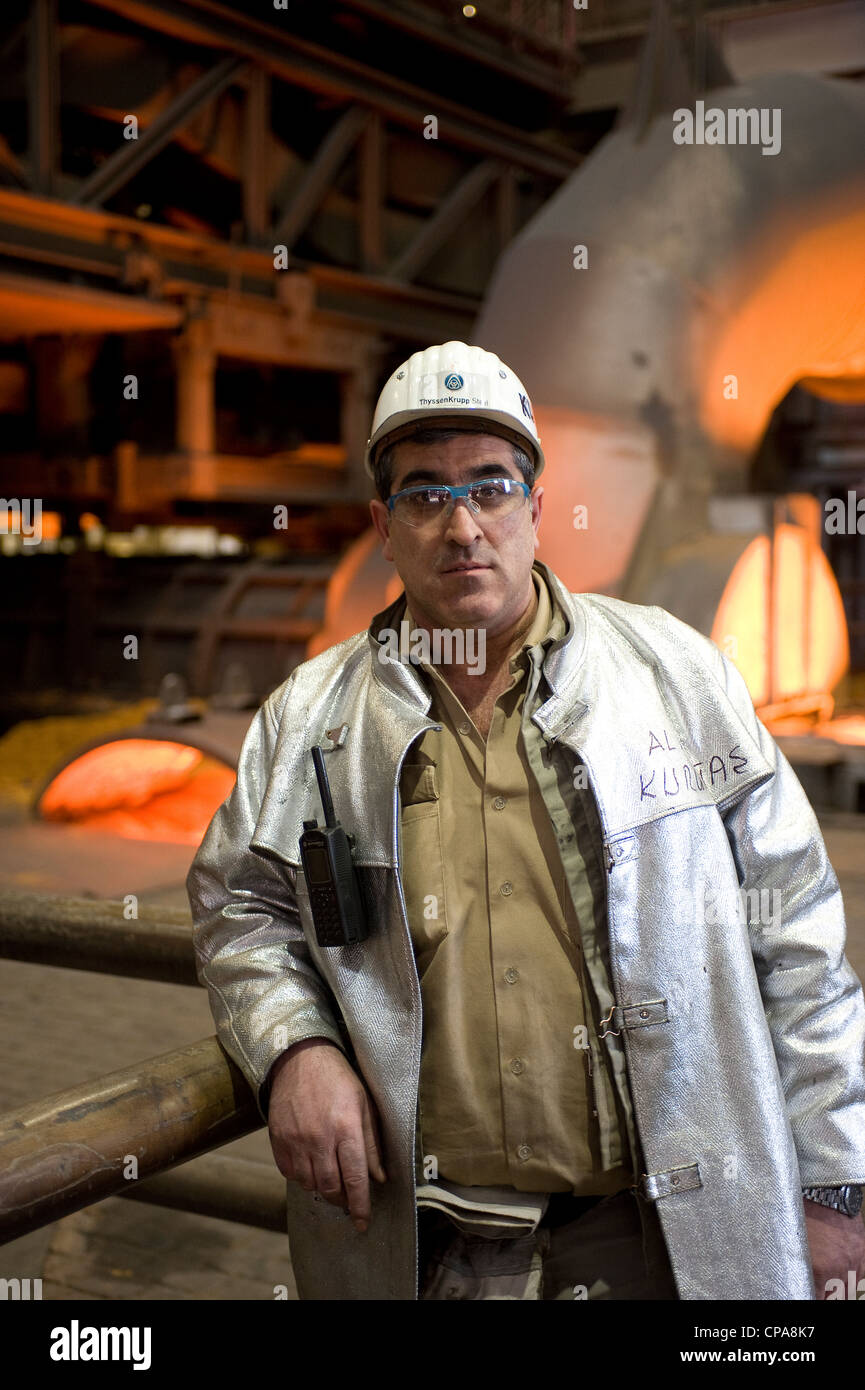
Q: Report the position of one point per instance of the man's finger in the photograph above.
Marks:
(372, 1143)
(328, 1181)
(282, 1154)
(355, 1179)
(303, 1173)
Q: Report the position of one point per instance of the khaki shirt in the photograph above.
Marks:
(508, 1093)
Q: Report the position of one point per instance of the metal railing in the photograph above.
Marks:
(127, 1133)
(88, 934)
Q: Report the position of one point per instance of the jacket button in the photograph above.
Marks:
(512, 975)
(499, 803)
(644, 1013)
(517, 1065)
(506, 889)
(524, 1152)
(675, 1179)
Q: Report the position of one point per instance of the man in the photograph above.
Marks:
(565, 1061)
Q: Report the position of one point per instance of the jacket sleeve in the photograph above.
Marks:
(812, 999)
(251, 953)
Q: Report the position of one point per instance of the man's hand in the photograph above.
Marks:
(837, 1245)
(323, 1128)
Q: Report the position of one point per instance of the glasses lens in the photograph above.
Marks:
(491, 498)
(497, 497)
(422, 508)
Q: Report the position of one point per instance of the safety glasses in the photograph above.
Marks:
(491, 499)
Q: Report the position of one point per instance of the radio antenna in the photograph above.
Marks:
(323, 786)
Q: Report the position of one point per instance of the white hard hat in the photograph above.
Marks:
(454, 384)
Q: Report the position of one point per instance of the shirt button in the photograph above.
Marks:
(524, 1152)
(512, 975)
(499, 803)
(464, 727)
(506, 889)
(517, 1065)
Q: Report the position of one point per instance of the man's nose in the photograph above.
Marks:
(462, 524)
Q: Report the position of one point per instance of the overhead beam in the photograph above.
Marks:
(445, 220)
(314, 68)
(256, 150)
(545, 75)
(81, 241)
(589, 33)
(318, 177)
(31, 305)
(372, 194)
(43, 95)
(119, 168)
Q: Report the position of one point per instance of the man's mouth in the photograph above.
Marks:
(464, 569)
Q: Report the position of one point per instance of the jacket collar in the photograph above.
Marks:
(612, 702)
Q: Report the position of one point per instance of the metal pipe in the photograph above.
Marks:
(82, 934)
(233, 1189)
(76, 1147)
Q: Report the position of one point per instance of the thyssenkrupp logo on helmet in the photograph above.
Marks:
(453, 388)
(527, 407)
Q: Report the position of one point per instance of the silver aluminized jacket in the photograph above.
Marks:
(745, 1042)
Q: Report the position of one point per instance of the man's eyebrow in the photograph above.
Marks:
(480, 470)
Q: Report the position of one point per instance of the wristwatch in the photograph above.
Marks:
(847, 1199)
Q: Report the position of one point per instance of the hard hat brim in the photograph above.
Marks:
(408, 422)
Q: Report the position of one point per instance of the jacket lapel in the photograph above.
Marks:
(367, 713)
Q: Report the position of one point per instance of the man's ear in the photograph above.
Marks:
(537, 508)
(381, 521)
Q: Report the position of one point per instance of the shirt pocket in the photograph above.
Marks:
(422, 862)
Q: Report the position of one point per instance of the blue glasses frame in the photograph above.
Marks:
(455, 492)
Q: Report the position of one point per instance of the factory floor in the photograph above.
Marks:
(60, 1028)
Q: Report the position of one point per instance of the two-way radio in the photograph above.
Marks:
(334, 891)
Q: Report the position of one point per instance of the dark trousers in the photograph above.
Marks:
(585, 1248)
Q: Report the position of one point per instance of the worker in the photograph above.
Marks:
(598, 1038)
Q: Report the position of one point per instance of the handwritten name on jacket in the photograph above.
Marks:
(669, 782)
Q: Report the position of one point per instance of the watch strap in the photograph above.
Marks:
(846, 1199)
